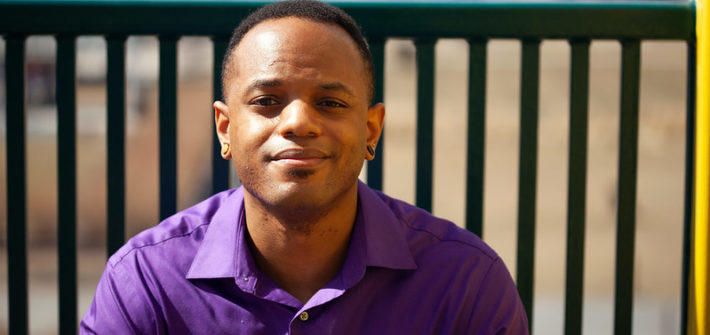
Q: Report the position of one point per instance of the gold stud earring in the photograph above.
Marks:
(371, 150)
(225, 149)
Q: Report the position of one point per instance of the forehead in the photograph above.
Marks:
(297, 44)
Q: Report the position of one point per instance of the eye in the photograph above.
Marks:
(264, 101)
(332, 104)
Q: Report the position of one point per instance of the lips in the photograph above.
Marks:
(299, 157)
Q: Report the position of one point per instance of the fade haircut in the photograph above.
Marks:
(311, 10)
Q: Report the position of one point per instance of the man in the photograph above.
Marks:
(303, 247)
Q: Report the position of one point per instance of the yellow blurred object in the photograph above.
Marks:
(699, 302)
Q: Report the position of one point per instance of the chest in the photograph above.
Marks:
(379, 304)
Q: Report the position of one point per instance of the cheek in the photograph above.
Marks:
(362, 133)
(249, 132)
(354, 139)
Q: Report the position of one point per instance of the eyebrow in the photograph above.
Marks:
(259, 83)
(336, 86)
(331, 86)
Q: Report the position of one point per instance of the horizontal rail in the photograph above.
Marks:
(441, 19)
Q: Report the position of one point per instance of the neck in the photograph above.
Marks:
(301, 256)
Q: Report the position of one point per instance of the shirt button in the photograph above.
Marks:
(303, 316)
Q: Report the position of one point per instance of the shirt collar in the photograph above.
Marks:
(380, 232)
(378, 239)
(217, 254)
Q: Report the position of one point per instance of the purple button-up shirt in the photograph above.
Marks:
(406, 272)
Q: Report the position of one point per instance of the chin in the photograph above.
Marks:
(296, 203)
(299, 190)
(285, 193)
(293, 194)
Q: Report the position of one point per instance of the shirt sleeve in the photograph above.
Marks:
(121, 305)
(498, 304)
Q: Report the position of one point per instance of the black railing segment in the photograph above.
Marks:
(66, 182)
(626, 205)
(689, 174)
(476, 143)
(425, 123)
(167, 114)
(527, 172)
(115, 142)
(375, 166)
(220, 166)
(18, 322)
(577, 186)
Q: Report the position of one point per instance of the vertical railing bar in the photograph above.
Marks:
(220, 167)
(425, 122)
(626, 209)
(528, 173)
(16, 185)
(375, 166)
(66, 182)
(476, 143)
(167, 105)
(689, 175)
(115, 142)
(576, 193)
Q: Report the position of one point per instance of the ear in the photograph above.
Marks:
(375, 122)
(221, 121)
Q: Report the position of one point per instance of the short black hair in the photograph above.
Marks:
(312, 10)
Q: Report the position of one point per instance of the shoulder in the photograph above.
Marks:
(148, 274)
(425, 231)
(458, 269)
(181, 231)
(441, 249)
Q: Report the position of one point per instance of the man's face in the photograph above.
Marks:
(297, 117)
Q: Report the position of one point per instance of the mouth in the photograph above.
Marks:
(299, 157)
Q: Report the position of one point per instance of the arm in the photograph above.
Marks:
(498, 304)
(121, 305)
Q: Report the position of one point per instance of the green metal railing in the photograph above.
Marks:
(424, 22)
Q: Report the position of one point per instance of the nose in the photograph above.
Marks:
(299, 119)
